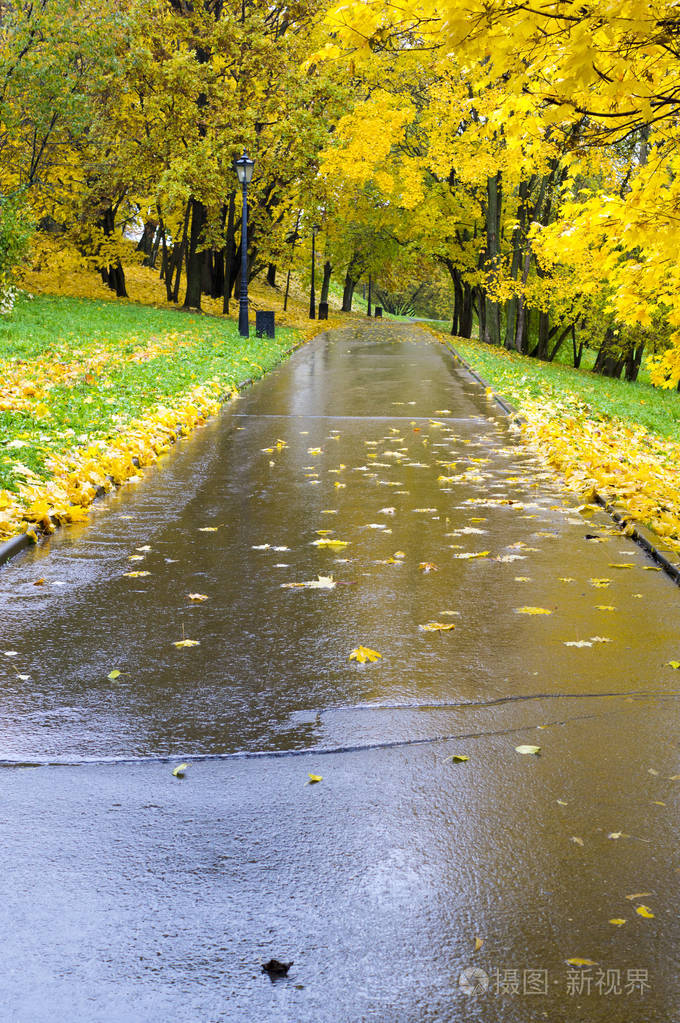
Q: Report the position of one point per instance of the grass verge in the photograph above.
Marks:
(620, 439)
(94, 390)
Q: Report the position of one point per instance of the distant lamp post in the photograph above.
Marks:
(244, 171)
(369, 294)
(312, 293)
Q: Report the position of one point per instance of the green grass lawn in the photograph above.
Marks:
(517, 377)
(74, 370)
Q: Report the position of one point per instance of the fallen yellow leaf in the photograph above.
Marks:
(618, 921)
(363, 654)
(532, 611)
(580, 962)
(186, 642)
(526, 750)
(645, 912)
(437, 627)
(197, 597)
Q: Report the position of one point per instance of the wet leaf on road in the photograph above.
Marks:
(324, 582)
(197, 597)
(363, 655)
(580, 962)
(335, 545)
(639, 895)
(618, 921)
(136, 575)
(208, 529)
(600, 583)
(437, 627)
(457, 758)
(478, 944)
(532, 611)
(526, 750)
(673, 664)
(113, 675)
(178, 771)
(426, 566)
(645, 912)
(186, 642)
(313, 779)
(577, 840)
(577, 642)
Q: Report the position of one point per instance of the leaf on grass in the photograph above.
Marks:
(335, 545)
(566, 579)
(580, 962)
(313, 779)
(532, 611)
(178, 771)
(472, 554)
(136, 575)
(526, 750)
(605, 607)
(426, 566)
(186, 642)
(197, 597)
(113, 675)
(673, 664)
(645, 912)
(437, 627)
(621, 564)
(600, 583)
(577, 840)
(363, 654)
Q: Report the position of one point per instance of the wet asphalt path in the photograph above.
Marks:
(129, 894)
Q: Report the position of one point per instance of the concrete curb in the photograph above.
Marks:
(641, 536)
(21, 541)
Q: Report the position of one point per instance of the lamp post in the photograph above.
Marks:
(312, 294)
(244, 171)
(369, 294)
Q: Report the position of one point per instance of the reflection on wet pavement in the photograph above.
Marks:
(365, 494)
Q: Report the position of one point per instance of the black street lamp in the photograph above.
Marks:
(244, 170)
(369, 294)
(312, 295)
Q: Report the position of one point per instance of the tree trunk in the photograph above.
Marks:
(492, 331)
(271, 275)
(229, 254)
(348, 292)
(465, 324)
(113, 275)
(634, 361)
(608, 362)
(326, 283)
(194, 258)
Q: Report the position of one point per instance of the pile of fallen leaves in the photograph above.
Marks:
(636, 471)
(632, 468)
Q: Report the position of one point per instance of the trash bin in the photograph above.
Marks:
(323, 310)
(264, 323)
(378, 311)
